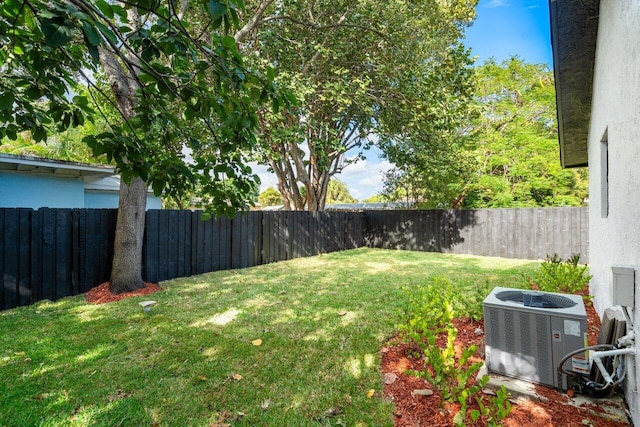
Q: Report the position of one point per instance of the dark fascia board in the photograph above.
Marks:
(9, 162)
(574, 31)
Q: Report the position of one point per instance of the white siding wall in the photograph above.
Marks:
(615, 239)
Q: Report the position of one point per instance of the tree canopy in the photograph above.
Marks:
(270, 197)
(504, 155)
(362, 74)
(191, 89)
(185, 101)
(515, 141)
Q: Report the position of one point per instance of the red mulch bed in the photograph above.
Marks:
(410, 411)
(101, 293)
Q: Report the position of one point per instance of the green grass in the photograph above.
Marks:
(322, 321)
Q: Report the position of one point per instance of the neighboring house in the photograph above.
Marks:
(33, 182)
(596, 50)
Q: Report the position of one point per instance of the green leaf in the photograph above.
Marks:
(39, 133)
(217, 9)
(93, 37)
(216, 23)
(106, 32)
(239, 4)
(458, 420)
(56, 34)
(18, 49)
(158, 187)
(105, 8)
(6, 101)
(228, 42)
(271, 73)
(189, 113)
(46, 14)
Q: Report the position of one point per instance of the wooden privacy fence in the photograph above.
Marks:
(523, 233)
(53, 253)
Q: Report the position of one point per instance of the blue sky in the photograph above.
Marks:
(502, 29)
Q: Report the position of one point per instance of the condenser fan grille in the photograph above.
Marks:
(536, 299)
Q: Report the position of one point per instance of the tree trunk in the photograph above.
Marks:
(126, 270)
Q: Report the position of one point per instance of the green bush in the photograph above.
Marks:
(429, 312)
(558, 275)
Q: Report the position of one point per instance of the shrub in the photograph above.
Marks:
(429, 312)
(557, 275)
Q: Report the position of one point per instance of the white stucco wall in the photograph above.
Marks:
(615, 238)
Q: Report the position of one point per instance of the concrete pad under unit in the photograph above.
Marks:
(612, 408)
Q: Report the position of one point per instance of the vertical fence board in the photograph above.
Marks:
(36, 256)
(264, 247)
(80, 241)
(90, 248)
(244, 240)
(75, 251)
(62, 253)
(236, 241)
(257, 238)
(48, 254)
(224, 246)
(24, 232)
(152, 271)
(10, 273)
(197, 244)
(172, 243)
(208, 237)
(183, 230)
(163, 245)
(106, 237)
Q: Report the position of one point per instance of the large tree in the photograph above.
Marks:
(173, 86)
(362, 74)
(515, 141)
(505, 155)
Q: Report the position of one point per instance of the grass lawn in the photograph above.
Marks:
(191, 361)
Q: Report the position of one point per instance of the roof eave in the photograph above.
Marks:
(574, 30)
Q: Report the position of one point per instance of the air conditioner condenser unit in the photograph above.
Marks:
(527, 333)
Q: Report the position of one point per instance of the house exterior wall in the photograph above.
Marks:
(614, 165)
(102, 199)
(19, 190)
(24, 190)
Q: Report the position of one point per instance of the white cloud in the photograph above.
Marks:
(364, 178)
(497, 3)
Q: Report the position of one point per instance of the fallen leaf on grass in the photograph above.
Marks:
(202, 378)
(421, 392)
(342, 313)
(265, 405)
(370, 393)
(236, 377)
(257, 342)
(222, 420)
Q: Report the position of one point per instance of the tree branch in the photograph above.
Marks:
(253, 22)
